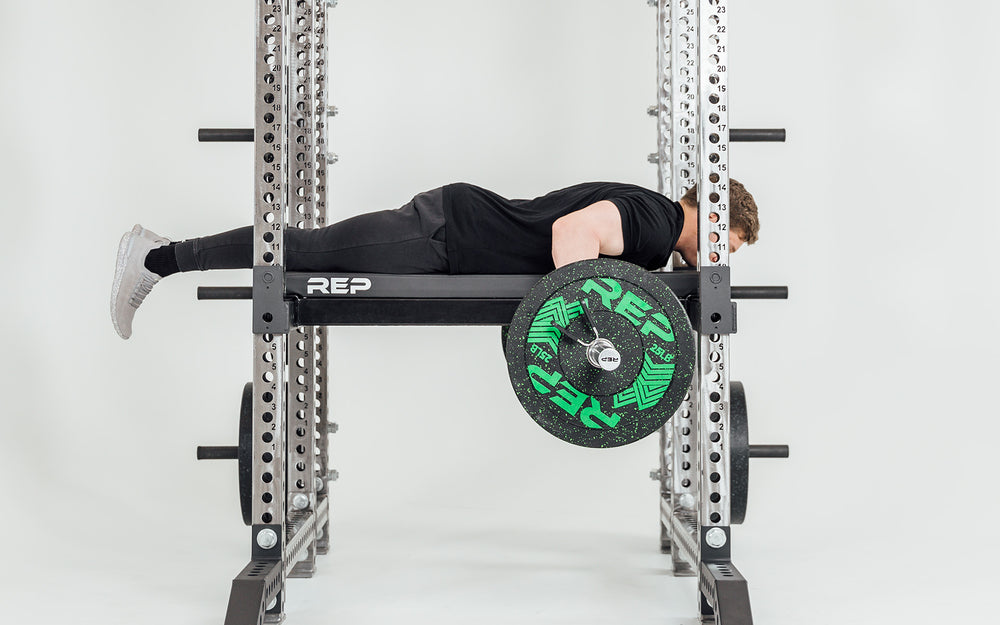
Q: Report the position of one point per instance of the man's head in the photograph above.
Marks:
(743, 219)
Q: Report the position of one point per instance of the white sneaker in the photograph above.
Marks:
(133, 281)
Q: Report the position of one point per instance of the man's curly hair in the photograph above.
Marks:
(742, 210)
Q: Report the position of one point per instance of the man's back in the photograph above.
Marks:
(487, 233)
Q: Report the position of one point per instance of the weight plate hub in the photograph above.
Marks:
(597, 402)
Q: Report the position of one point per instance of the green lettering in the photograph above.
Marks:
(611, 292)
(569, 399)
(593, 417)
(664, 329)
(632, 305)
(552, 378)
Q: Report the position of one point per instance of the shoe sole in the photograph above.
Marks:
(124, 249)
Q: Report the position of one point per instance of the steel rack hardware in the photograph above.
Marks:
(283, 450)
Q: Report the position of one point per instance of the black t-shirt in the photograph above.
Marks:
(486, 233)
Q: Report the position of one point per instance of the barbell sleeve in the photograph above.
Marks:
(225, 134)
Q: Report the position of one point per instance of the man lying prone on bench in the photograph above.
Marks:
(456, 229)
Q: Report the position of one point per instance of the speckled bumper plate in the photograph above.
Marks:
(569, 395)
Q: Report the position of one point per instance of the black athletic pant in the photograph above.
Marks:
(410, 239)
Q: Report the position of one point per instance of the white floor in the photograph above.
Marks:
(519, 560)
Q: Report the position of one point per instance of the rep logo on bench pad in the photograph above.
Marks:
(337, 285)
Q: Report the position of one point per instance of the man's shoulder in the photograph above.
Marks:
(624, 188)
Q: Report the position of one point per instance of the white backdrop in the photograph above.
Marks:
(878, 213)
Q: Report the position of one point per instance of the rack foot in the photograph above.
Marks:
(253, 591)
(725, 598)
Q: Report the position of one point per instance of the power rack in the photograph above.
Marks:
(283, 453)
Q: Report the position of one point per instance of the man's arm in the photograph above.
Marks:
(583, 234)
